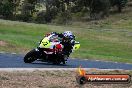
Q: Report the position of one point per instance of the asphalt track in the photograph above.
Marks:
(16, 61)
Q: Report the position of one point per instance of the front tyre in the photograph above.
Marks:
(30, 56)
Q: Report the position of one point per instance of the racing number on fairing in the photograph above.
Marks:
(45, 43)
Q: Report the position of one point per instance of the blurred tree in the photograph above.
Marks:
(54, 9)
(27, 10)
(8, 8)
(119, 4)
(97, 8)
(57, 9)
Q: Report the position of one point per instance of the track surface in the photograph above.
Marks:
(16, 61)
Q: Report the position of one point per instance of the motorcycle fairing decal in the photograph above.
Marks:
(45, 43)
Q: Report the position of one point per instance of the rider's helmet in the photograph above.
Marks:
(68, 36)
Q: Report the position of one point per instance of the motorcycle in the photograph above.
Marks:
(49, 50)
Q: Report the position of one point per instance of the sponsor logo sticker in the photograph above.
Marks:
(82, 78)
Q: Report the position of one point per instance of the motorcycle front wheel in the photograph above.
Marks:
(30, 56)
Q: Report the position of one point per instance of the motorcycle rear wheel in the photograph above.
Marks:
(57, 62)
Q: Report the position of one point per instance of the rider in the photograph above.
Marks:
(68, 40)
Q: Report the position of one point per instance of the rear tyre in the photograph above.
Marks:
(30, 56)
(58, 58)
(56, 62)
(64, 62)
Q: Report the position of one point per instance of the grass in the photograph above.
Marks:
(109, 39)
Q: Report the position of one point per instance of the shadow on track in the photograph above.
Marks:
(53, 65)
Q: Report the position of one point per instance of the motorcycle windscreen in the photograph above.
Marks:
(76, 46)
(45, 43)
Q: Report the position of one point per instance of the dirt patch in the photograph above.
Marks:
(49, 79)
(3, 43)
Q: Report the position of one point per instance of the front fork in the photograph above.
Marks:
(39, 54)
(37, 49)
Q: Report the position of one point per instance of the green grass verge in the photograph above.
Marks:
(109, 39)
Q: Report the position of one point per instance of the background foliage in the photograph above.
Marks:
(58, 11)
